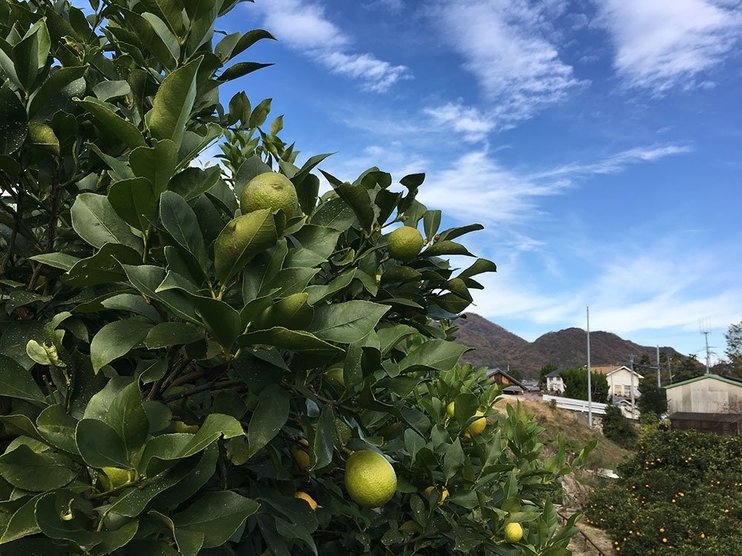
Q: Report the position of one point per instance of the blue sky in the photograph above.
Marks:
(598, 141)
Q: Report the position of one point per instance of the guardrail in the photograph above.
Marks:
(576, 405)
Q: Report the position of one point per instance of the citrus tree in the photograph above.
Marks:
(215, 359)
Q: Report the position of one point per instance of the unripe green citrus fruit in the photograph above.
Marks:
(450, 409)
(292, 312)
(513, 532)
(370, 479)
(270, 190)
(113, 477)
(477, 427)
(405, 243)
(180, 426)
(335, 376)
(301, 455)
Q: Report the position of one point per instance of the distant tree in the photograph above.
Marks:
(575, 385)
(684, 368)
(653, 399)
(545, 370)
(734, 346)
(618, 428)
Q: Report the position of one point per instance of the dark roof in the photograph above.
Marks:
(554, 374)
(514, 381)
(718, 417)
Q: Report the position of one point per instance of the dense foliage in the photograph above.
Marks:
(653, 398)
(181, 375)
(618, 428)
(575, 385)
(680, 494)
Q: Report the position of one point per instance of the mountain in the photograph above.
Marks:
(495, 346)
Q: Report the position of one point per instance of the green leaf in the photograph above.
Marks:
(357, 198)
(292, 340)
(446, 247)
(260, 113)
(241, 69)
(106, 90)
(480, 266)
(192, 182)
(58, 428)
(453, 233)
(324, 438)
(453, 459)
(13, 122)
(62, 261)
(269, 417)
(16, 382)
(147, 278)
(217, 515)
(28, 470)
(347, 322)
(156, 163)
(127, 417)
(133, 200)
(102, 268)
(95, 221)
(335, 214)
(241, 240)
(181, 223)
(22, 523)
(171, 108)
(116, 339)
(112, 124)
(245, 41)
(438, 355)
(168, 334)
(30, 54)
(100, 446)
(223, 321)
(56, 81)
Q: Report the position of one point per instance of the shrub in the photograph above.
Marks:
(169, 366)
(680, 494)
(575, 385)
(618, 428)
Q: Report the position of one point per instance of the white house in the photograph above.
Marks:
(620, 380)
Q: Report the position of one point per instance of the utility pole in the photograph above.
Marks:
(669, 367)
(659, 380)
(589, 370)
(633, 413)
(708, 356)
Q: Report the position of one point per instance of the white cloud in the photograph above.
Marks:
(661, 44)
(476, 186)
(472, 123)
(506, 45)
(304, 26)
(393, 6)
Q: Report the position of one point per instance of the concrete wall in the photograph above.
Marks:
(705, 396)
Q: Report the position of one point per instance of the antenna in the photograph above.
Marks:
(705, 331)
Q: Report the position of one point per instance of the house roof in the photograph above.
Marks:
(728, 380)
(514, 381)
(554, 374)
(610, 369)
(718, 417)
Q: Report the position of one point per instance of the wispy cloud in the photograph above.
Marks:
(304, 26)
(471, 122)
(506, 45)
(478, 186)
(660, 44)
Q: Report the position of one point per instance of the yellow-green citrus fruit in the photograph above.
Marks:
(308, 499)
(335, 376)
(513, 532)
(370, 479)
(43, 136)
(478, 425)
(450, 409)
(301, 455)
(444, 494)
(270, 190)
(292, 312)
(180, 426)
(112, 477)
(405, 243)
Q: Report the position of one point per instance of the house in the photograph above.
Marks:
(554, 382)
(509, 384)
(710, 403)
(620, 380)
